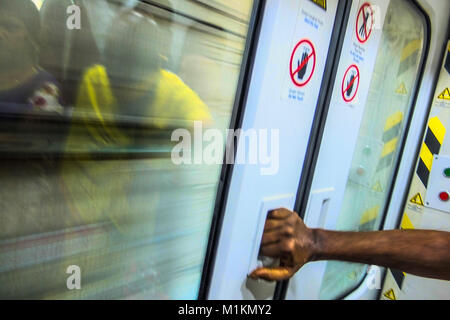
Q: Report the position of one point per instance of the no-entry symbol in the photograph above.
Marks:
(303, 63)
(350, 83)
(365, 22)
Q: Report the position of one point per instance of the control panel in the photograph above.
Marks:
(438, 193)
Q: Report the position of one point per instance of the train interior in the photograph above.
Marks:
(86, 165)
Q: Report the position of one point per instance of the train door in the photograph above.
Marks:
(291, 70)
(339, 153)
(368, 116)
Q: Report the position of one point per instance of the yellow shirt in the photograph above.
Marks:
(100, 189)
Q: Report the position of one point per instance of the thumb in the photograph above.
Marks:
(272, 274)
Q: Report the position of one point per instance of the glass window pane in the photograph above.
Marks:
(88, 104)
(386, 110)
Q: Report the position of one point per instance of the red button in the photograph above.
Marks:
(444, 196)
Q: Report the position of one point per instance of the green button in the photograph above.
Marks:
(447, 172)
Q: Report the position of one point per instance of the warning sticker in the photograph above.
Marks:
(365, 22)
(390, 294)
(377, 187)
(350, 83)
(302, 63)
(401, 90)
(321, 3)
(445, 95)
(417, 199)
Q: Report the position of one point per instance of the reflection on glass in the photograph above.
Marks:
(25, 88)
(87, 178)
(385, 112)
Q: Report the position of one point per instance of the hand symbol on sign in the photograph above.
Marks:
(362, 30)
(302, 71)
(350, 84)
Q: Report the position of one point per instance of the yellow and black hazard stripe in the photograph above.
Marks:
(391, 134)
(410, 56)
(447, 60)
(399, 277)
(368, 219)
(430, 147)
(321, 3)
(406, 223)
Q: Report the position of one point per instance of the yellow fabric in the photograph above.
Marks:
(98, 190)
(175, 100)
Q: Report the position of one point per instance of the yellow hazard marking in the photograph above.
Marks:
(438, 129)
(390, 295)
(389, 147)
(393, 120)
(402, 89)
(321, 3)
(377, 187)
(370, 215)
(417, 199)
(426, 156)
(445, 95)
(410, 48)
(406, 223)
(430, 147)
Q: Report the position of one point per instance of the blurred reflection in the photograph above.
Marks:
(100, 190)
(24, 86)
(63, 52)
(130, 83)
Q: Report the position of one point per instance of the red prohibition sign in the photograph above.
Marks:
(361, 30)
(348, 86)
(304, 63)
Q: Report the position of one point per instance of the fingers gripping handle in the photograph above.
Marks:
(268, 204)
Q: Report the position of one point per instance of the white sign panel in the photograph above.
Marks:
(305, 62)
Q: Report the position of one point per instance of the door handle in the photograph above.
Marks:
(258, 289)
(268, 204)
(317, 209)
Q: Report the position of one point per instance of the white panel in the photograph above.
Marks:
(269, 106)
(417, 287)
(340, 135)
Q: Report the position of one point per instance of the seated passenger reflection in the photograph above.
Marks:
(64, 52)
(130, 86)
(131, 82)
(24, 86)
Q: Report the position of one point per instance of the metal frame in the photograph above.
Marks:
(315, 141)
(334, 54)
(323, 105)
(236, 123)
(407, 129)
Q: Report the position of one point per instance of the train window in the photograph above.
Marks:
(90, 93)
(385, 116)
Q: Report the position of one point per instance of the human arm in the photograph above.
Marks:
(424, 253)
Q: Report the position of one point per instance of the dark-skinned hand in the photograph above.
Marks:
(285, 237)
